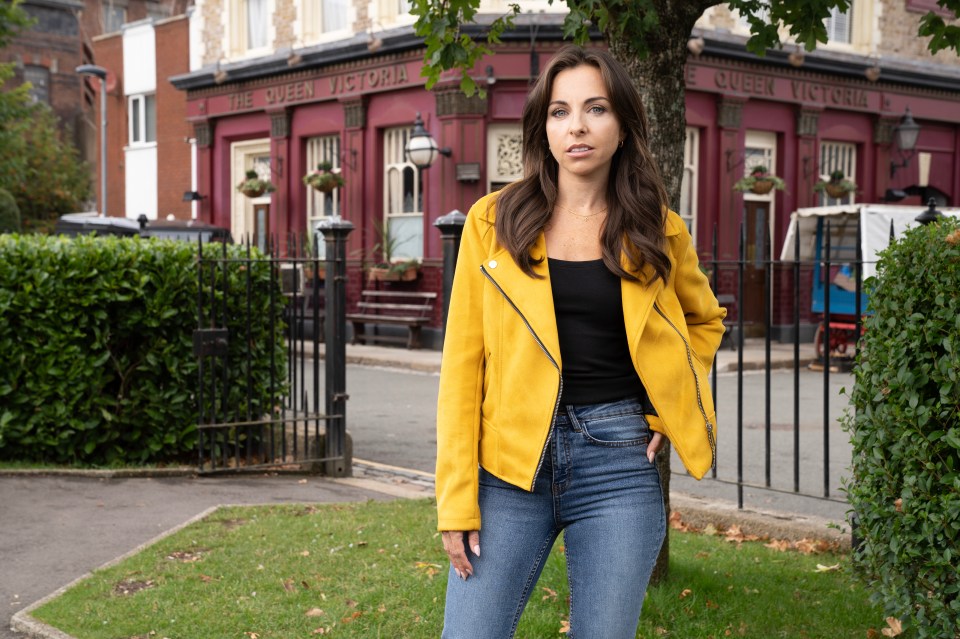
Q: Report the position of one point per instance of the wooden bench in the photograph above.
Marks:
(401, 308)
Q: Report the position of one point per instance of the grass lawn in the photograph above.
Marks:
(377, 569)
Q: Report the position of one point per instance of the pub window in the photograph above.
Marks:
(392, 11)
(321, 17)
(402, 197)
(688, 186)
(838, 25)
(249, 23)
(142, 119)
(39, 79)
(321, 205)
(838, 156)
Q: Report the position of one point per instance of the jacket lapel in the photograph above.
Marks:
(532, 296)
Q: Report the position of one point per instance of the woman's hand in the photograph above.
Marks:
(457, 550)
(656, 443)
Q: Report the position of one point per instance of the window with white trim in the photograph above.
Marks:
(402, 197)
(249, 23)
(142, 119)
(689, 183)
(838, 156)
(321, 205)
(838, 25)
(392, 10)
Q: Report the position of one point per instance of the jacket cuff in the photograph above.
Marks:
(470, 523)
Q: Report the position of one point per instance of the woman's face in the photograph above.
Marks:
(582, 130)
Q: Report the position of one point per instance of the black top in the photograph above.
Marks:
(593, 339)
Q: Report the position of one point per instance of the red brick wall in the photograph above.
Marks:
(108, 52)
(173, 152)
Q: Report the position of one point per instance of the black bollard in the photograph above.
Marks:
(335, 232)
(451, 229)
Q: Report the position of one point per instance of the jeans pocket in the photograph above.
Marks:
(616, 430)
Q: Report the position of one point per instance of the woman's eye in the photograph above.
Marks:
(597, 109)
(558, 113)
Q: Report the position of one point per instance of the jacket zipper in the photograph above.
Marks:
(556, 405)
(711, 439)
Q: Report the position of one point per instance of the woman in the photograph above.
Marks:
(579, 336)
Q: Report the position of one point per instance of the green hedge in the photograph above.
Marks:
(96, 352)
(906, 432)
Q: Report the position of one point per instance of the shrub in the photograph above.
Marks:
(96, 352)
(9, 213)
(906, 432)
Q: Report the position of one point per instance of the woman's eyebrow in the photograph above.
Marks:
(587, 101)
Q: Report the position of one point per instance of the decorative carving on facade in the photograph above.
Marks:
(807, 122)
(509, 155)
(729, 113)
(280, 123)
(203, 132)
(883, 130)
(355, 114)
(454, 102)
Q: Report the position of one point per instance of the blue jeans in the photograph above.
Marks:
(597, 486)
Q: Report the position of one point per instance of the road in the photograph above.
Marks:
(391, 414)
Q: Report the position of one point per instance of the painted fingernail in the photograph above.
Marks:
(459, 574)
(476, 550)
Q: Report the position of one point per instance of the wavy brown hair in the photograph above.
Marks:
(636, 197)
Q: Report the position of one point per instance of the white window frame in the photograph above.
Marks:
(322, 205)
(39, 78)
(839, 26)
(395, 166)
(690, 184)
(137, 126)
(312, 27)
(236, 23)
(760, 148)
(394, 12)
(836, 156)
(244, 156)
(497, 177)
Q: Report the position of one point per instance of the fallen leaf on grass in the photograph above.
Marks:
(780, 545)
(685, 593)
(185, 557)
(253, 635)
(677, 523)
(350, 603)
(822, 568)
(430, 570)
(288, 585)
(551, 594)
(381, 608)
(709, 529)
(320, 631)
(735, 534)
(356, 615)
(895, 627)
(305, 553)
(206, 578)
(873, 634)
(564, 626)
(315, 612)
(711, 605)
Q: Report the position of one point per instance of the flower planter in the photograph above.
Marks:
(834, 190)
(326, 186)
(253, 192)
(384, 274)
(762, 187)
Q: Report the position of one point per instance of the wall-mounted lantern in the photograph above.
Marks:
(905, 136)
(422, 149)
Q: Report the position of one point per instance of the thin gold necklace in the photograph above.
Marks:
(581, 215)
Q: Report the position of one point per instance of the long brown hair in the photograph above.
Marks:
(636, 197)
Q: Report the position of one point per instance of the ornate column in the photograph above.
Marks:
(282, 219)
(206, 209)
(808, 161)
(729, 121)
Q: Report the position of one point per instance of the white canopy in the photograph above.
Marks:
(876, 219)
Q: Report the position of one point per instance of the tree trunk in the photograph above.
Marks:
(660, 79)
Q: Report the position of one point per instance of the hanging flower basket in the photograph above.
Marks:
(253, 186)
(836, 187)
(759, 182)
(323, 179)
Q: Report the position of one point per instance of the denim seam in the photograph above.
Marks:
(524, 596)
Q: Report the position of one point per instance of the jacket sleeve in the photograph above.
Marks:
(461, 382)
(703, 314)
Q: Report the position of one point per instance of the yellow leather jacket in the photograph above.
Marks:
(500, 380)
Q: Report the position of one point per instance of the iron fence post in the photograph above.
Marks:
(335, 232)
(451, 229)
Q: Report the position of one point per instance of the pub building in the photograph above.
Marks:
(354, 103)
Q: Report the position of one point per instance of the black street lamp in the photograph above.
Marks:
(931, 214)
(100, 72)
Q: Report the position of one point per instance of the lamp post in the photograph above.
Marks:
(421, 148)
(100, 72)
(905, 134)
